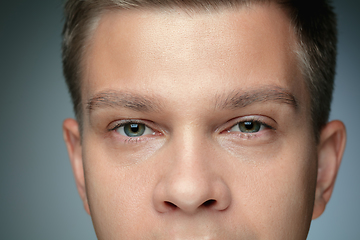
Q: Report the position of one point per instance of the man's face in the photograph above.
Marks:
(196, 126)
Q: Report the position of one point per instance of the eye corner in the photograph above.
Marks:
(113, 127)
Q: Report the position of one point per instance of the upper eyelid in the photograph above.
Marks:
(257, 118)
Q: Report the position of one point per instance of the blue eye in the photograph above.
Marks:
(132, 129)
(248, 127)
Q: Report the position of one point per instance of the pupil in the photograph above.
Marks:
(134, 128)
(248, 125)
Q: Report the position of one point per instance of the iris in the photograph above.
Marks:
(134, 129)
(249, 127)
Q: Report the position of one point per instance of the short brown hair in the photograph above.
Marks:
(314, 22)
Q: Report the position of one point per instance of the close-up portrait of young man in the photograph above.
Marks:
(202, 119)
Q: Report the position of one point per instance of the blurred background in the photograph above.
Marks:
(38, 197)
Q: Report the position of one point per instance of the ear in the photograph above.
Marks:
(73, 143)
(330, 151)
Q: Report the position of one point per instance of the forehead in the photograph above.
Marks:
(170, 51)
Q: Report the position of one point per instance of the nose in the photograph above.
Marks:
(191, 181)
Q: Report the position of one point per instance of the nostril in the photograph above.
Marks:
(170, 205)
(209, 203)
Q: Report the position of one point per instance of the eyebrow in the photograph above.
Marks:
(115, 99)
(232, 100)
(267, 93)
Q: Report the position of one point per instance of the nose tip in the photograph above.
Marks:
(187, 196)
(190, 196)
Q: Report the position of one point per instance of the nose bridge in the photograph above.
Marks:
(191, 181)
(192, 150)
(190, 145)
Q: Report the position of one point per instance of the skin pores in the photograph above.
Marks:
(194, 173)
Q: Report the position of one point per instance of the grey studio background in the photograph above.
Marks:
(38, 197)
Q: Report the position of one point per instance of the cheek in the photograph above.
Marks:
(278, 192)
(119, 194)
